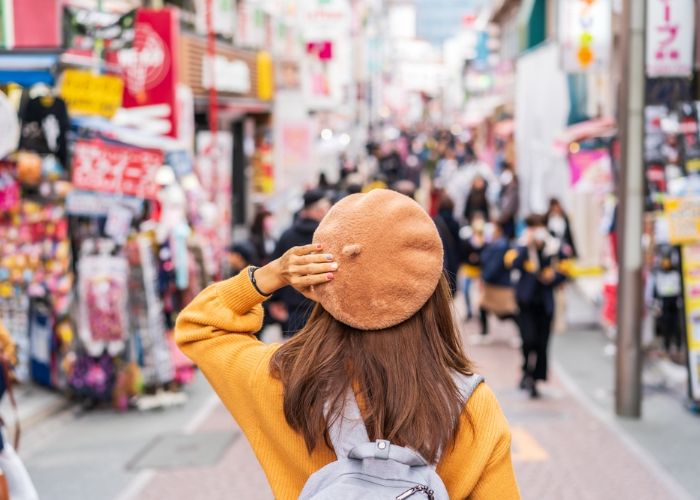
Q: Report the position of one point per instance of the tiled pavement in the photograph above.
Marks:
(560, 450)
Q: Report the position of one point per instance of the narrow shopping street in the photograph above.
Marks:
(566, 446)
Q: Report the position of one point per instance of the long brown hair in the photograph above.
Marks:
(402, 376)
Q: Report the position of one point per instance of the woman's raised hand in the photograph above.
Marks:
(301, 267)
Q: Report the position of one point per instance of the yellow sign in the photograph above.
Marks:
(86, 93)
(266, 84)
(683, 215)
(691, 297)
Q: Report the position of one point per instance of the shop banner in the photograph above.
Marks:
(585, 28)
(149, 67)
(107, 168)
(670, 38)
(84, 28)
(683, 216)
(86, 93)
(691, 298)
(90, 204)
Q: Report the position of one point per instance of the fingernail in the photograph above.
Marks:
(319, 246)
(329, 276)
(334, 266)
(329, 257)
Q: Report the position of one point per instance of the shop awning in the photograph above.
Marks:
(27, 69)
(590, 129)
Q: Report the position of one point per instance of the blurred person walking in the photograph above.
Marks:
(381, 345)
(558, 225)
(508, 200)
(288, 306)
(477, 204)
(473, 241)
(261, 236)
(460, 183)
(537, 261)
(448, 229)
(497, 292)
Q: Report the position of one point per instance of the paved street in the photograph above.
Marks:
(561, 448)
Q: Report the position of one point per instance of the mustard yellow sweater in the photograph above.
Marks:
(215, 331)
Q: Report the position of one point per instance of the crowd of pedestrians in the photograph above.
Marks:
(504, 263)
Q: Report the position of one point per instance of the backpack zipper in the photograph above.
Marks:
(414, 490)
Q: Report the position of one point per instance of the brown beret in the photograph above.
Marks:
(390, 259)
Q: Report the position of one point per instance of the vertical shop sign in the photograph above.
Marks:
(585, 28)
(214, 168)
(670, 33)
(691, 298)
(149, 66)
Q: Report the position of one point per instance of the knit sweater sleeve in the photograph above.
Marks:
(497, 479)
(216, 332)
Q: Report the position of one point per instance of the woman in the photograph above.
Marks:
(382, 327)
(558, 225)
(477, 205)
(448, 229)
(260, 237)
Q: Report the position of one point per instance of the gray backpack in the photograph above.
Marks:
(377, 470)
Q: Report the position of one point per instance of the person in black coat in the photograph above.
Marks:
(448, 229)
(537, 261)
(288, 306)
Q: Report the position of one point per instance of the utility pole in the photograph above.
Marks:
(628, 370)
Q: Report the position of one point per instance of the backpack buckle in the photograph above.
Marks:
(381, 449)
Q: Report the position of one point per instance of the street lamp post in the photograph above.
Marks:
(630, 212)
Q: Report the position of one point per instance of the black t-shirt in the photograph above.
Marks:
(45, 126)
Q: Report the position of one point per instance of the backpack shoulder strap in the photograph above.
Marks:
(348, 429)
(467, 384)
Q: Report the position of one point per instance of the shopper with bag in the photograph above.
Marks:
(15, 483)
(374, 397)
(497, 292)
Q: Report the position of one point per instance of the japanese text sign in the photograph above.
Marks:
(670, 32)
(99, 166)
(88, 94)
(683, 219)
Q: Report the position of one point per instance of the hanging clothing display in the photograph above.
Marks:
(45, 126)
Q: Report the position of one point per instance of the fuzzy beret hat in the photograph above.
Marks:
(390, 259)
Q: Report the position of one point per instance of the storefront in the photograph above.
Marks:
(105, 229)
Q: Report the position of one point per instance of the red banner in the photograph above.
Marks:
(99, 166)
(149, 67)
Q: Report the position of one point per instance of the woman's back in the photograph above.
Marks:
(383, 329)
